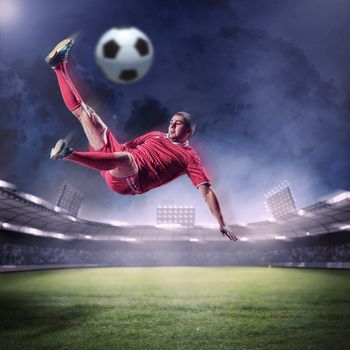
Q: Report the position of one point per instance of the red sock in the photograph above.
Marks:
(95, 160)
(71, 96)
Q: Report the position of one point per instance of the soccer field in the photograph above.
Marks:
(176, 308)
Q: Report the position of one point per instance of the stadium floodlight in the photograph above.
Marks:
(344, 227)
(72, 218)
(280, 201)
(15, 228)
(244, 239)
(176, 214)
(339, 198)
(58, 235)
(168, 226)
(12, 227)
(57, 209)
(8, 185)
(305, 213)
(32, 231)
(127, 239)
(69, 199)
(118, 223)
(5, 225)
(36, 232)
(193, 239)
(280, 237)
(34, 199)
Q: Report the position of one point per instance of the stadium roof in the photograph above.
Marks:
(21, 212)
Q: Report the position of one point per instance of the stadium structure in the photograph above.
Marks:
(35, 233)
(280, 201)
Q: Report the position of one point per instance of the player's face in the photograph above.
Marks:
(178, 130)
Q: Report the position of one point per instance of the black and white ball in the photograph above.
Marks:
(124, 54)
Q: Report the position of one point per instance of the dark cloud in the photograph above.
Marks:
(146, 114)
(232, 32)
(193, 87)
(215, 3)
(10, 142)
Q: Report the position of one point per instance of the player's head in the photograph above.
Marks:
(181, 127)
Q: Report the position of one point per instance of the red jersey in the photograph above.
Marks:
(159, 161)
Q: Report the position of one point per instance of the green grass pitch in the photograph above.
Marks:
(176, 308)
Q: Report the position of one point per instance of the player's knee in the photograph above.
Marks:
(78, 112)
(126, 165)
(94, 118)
(124, 158)
(90, 110)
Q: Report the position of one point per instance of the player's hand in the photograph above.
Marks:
(226, 231)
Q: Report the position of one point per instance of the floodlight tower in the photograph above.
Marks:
(174, 214)
(69, 199)
(280, 200)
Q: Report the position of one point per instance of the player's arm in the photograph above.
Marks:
(214, 206)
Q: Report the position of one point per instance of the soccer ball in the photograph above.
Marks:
(124, 54)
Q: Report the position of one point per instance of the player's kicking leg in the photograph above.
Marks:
(92, 124)
(120, 164)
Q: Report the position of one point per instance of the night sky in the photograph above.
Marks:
(268, 82)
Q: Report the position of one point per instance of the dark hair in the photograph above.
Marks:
(188, 119)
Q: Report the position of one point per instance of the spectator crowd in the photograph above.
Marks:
(179, 254)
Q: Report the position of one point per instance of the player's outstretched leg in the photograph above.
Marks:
(95, 129)
(92, 124)
(57, 60)
(121, 163)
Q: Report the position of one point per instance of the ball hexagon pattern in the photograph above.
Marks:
(124, 55)
(142, 47)
(110, 49)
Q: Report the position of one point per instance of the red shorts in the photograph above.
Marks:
(128, 185)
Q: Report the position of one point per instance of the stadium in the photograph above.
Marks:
(36, 234)
(174, 284)
(229, 255)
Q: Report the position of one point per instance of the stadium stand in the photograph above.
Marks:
(35, 233)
